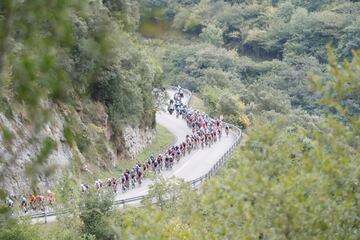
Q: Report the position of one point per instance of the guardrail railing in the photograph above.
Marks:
(194, 183)
(221, 161)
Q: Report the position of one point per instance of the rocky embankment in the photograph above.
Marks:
(82, 140)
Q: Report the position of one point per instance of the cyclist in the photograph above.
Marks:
(123, 183)
(50, 197)
(181, 92)
(133, 178)
(41, 200)
(9, 202)
(32, 198)
(227, 129)
(24, 203)
(84, 187)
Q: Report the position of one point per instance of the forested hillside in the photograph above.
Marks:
(285, 71)
(74, 83)
(264, 51)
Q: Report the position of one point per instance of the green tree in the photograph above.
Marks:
(341, 91)
(213, 35)
(13, 230)
(94, 211)
(349, 41)
(229, 104)
(33, 38)
(266, 98)
(165, 192)
(291, 180)
(311, 5)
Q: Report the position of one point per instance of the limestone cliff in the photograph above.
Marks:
(83, 140)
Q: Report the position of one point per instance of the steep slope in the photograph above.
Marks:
(71, 100)
(95, 149)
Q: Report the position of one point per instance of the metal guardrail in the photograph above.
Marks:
(221, 161)
(194, 183)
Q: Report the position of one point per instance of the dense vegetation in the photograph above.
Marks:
(262, 51)
(80, 50)
(285, 65)
(66, 57)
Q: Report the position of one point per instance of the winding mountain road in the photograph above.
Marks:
(190, 167)
(193, 165)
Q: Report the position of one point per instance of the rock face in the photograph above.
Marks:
(18, 152)
(137, 139)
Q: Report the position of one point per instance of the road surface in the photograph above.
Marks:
(190, 167)
(193, 165)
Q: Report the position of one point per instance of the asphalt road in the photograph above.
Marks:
(190, 167)
(193, 165)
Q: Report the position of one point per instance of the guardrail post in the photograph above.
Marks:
(45, 215)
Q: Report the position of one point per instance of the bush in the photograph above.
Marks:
(94, 211)
(13, 230)
(213, 35)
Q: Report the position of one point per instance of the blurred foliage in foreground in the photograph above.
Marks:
(262, 53)
(298, 175)
(287, 182)
(61, 54)
(69, 50)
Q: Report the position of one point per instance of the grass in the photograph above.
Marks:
(163, 139)
(197, 103)
(47, 228)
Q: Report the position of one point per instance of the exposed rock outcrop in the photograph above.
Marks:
(22, 149)
(137, 139)
(94, 146)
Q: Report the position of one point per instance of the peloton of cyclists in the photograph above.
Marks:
(205, 132)
(32, 201)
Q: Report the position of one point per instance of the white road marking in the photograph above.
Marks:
(202, 160)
